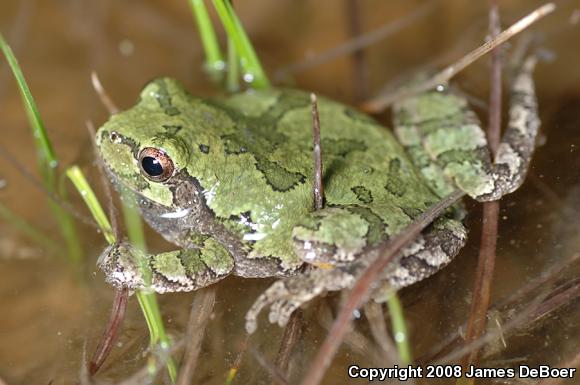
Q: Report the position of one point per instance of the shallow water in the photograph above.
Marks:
(49, 311)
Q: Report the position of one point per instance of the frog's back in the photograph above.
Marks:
(249, 157)
(364, 167)
(363, 162)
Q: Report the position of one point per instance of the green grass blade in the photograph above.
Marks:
(147, 301)
(77, 177)
(158, 336)
(231, 376)
(47, 160)
(133, 222)
(233, 75)
(67, 228)
(399, 329)
(253, 72)
(214, 61)
(45, 150)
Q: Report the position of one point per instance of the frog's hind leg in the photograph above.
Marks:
(430, 252)
(426, 255)
(444, 137)
(336, 236)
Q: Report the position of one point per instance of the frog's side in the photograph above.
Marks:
(235, 191)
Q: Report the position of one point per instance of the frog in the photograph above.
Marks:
(228, 180)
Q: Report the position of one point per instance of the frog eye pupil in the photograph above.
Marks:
(151, 166)
(155, 164)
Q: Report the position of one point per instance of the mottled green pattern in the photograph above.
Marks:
(257, 161)
(169, 265)
(216, 257)
(239, 197)
(338, 228)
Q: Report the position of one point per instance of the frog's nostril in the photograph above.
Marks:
(114, 137)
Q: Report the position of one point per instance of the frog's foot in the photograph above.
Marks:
(125, 266)
(119, 264)
(333, 236)
(518, 143)
(287, 295)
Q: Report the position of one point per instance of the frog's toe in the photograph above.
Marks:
(275, 308)
(118, 263)
(285, 296)
(281, 311)
(263, 300)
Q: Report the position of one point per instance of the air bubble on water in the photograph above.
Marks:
(399, 337)
(126, 47)
(440, 88)
(219, 65)
(248, 77)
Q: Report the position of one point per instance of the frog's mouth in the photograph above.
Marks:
(118, 183)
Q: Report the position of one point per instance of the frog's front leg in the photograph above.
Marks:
(331, 240)
(287, 295)
(444, 138)
(204, 263)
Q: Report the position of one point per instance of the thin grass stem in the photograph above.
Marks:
(253, 73)
(400, 332)
(148, 300)
(233, 74)
(78, 179)
(47, 160)
(481, 296)
(381, 102)
(41, 140)
(134, 224)
(214, 61)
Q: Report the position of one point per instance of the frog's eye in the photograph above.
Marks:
(155, 164)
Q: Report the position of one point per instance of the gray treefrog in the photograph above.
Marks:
(229, 181)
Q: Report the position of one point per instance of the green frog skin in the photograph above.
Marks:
(229, 181)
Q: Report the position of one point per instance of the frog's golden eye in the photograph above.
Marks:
(155, 164)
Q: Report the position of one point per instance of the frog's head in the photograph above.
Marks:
(142, 148)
